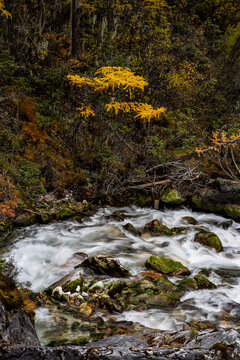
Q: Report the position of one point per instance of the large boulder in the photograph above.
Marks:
(156, 227)
(209, 239)
(203, 282)
(106, 265)
(15, 324)
(172, 197)
(166, 266)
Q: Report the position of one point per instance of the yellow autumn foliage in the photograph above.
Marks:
(110, 77)
(142, 110)
(3, 11)
(80, 81)
(86, 110)
(116, 77)
(218, 140)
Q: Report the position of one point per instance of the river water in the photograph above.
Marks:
(41, 252)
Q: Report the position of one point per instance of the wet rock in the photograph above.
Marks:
(233, 211)
(226, 224)
(76, 259)
(129, 227)
(172, 197)
(144, 294)
(227, 186)
(209, 239)
(71, 286)
(25, 220)
(16, 327)
(190, 220)
(179, 230)
(117, 215)
(85, 309)
(156, 227)
(181, 345)
(106, 265)
(188, 284)
(166, 266)
(203, 282)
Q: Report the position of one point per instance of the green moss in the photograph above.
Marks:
(233, 211)
(179, 230)
(65, 213)
(45, 218)
(190, 220)
(172, 197)
(25, 220)
(144, 201)
(71, 286)
(166, 266)
(9, 294)
(209, 239)
(155, 226)
(197, 202)
(203, 282)
(188, 284)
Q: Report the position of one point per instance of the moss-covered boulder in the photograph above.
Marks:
(233, 211)
(188, 284)
(167, 266)
(203, 282)
(209, 239)
(25, 220)
(156, 227)
(106, 265)
(172, 197)
(190, 220)
(148, 292)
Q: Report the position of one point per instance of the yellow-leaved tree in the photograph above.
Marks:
(3, 10)
(110, 78)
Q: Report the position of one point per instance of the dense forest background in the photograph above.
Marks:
(188, 52)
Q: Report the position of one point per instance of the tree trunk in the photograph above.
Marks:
(41, 9)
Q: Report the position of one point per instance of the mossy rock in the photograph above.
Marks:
(156, 227)
(45, 218)
(26, 220)
(65, 213)
(196, 202)
(190, 220)
(188, 284)
(203, 282)
(145, 293)
(72, 285)
(167, 266)
(209, 239)
(226, 224)
(117, 215)
(163, 299)
(233, 211)
(172, 197)
(179, 230)
(129, 227)
(106, 265)
(144, 201)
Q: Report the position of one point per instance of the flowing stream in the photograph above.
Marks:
(42, 253)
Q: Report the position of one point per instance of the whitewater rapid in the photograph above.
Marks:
(42, 253)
